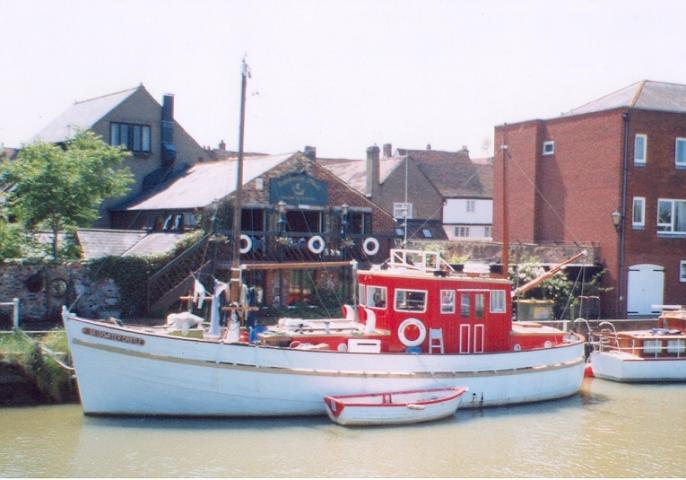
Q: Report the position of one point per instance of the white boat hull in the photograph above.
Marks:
(126, 371)
(371, 410)
(625, 367)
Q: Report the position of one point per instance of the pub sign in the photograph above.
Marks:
(298, 189)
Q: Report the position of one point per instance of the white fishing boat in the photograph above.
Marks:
(415, 324)
(394, 408)
(649, 355)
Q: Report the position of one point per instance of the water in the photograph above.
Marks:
(608, 430)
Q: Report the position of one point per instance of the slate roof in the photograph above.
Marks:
(82, 116)
(644, 95)
(354, 172)
(97, 243)
(424, 229)
(453, 173)
(204, 183)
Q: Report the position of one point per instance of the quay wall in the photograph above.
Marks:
(42, 289)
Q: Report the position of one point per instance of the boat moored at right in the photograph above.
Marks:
(650, 355)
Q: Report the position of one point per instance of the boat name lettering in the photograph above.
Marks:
(113, 336)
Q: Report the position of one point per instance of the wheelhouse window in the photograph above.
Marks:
(133, 137)
(671, 216)
(410, 300)
(638, 216)
(640, 149)
(362, 297)
(465, 305)
(548, 148)
(680, 153)
(376, 297)
(447, 301)
(479, 305)
(402, 210)
(497, 301)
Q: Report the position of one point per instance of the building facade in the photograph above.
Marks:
(159, 147)
(612, 173)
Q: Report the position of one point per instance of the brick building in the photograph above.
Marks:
(611, 172)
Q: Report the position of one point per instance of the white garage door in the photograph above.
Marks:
(646, 288)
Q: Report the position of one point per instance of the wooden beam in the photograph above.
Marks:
(295, 265)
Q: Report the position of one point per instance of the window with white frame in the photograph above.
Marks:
(680, 153)
(682, 271)
(376, 297)
(471, 205)
(497, 301)
(640, 149)
(488, 232)
(133, 137)
(549, 148)
(671, 216)
(447, 301)
(638, 216)
(410, 300)
(461, 231)
(402, 210)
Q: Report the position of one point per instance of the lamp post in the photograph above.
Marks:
(616, 219)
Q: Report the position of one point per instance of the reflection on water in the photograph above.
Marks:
(607, 430)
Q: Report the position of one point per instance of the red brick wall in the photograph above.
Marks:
(659, 178)
(580, 185)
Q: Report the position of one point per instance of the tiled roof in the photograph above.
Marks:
(354, 172)
(644, 95)
(204, 183)
(453, 173)
(82, 116)
(97, 243)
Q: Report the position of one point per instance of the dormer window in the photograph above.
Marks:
(549, 148)
(135, 138)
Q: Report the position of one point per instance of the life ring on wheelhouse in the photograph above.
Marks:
(411, 322)
(370, 246)
(245, 243)
(316, 244)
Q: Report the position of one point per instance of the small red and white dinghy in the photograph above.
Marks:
(393, 408)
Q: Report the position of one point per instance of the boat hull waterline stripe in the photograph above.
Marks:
(338, 373)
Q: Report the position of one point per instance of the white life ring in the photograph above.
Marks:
(401, 332)
(370, 246)
(245, 243)
(316, 244)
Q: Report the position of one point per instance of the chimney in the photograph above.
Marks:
(372, 170)
(168, 151)
(222, 145)
(465, 149)
(310, 152)
(387, 150)
(428, 146)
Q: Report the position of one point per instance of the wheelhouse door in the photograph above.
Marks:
(471, 320)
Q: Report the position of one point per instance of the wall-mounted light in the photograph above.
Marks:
(616, 219)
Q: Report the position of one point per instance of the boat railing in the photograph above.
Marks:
(420, 260)
(660, 343)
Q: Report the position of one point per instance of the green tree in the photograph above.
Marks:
(61, 188)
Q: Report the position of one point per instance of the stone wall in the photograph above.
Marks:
(42, 289)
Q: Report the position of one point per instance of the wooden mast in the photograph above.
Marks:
(505, 254)
(235, 283)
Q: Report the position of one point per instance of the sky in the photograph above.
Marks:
(337, 75)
